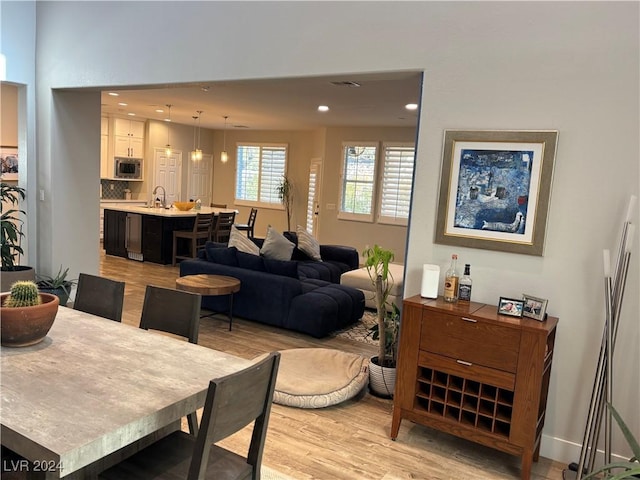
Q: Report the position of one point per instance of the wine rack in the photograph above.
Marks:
(465, 370)
(471, 403)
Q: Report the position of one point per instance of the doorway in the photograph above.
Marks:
(167, 173)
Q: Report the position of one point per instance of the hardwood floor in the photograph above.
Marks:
(344, 442)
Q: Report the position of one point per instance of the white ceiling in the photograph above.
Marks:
(278, 104)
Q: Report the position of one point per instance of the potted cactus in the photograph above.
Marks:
(27, 315)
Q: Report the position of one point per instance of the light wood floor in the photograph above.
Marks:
(349, 441)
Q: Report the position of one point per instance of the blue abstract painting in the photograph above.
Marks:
(493, 190)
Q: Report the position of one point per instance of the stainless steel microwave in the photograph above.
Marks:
(128, 168)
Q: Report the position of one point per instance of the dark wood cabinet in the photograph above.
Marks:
(465, 370)
(115, 233)
(152, 239)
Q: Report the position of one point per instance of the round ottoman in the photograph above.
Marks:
(319, 377)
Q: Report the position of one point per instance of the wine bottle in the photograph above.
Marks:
(451, 278)
(464, 290)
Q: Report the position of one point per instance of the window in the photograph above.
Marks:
(358, 181)
(259, 170)
(397, 181)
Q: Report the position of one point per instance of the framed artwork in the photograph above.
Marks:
(534, 307)
(495, 188)
(510, 306)
(9, 161)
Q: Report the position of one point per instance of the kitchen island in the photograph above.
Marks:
(146, 234)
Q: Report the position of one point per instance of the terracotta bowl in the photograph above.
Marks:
(184, 206)
(24, 326)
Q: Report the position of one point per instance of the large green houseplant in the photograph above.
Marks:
(11, 236)
(285, 194)
(386, 330)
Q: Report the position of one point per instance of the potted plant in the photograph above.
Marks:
(27, 315)
(285, 194)
(59, 285)
(11, 234)
(382, 368)
(621, 470)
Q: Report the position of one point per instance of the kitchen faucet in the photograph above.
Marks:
(164, 195)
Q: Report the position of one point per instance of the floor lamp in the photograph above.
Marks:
(602, 392)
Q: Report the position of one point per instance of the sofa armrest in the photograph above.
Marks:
(340, 253)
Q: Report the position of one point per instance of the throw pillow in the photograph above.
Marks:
(308, 244)
(281, 267)
(250, 261)
(276, 246)
(223, 256)
(242, 242)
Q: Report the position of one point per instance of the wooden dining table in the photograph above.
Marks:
(94, 391)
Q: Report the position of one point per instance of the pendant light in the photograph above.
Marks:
(167, 149)
(223, 156)
(196, 154)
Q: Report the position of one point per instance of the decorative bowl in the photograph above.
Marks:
(184, 206)
(24, 326)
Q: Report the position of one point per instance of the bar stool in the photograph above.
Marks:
(222, 228)
(199, 235)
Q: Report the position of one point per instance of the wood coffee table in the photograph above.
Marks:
(214, 285)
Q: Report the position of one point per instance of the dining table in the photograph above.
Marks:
(95, 391)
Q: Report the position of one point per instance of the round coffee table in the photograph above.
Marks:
(214, 285)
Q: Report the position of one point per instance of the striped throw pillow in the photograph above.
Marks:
(308, 244)
(242, 242)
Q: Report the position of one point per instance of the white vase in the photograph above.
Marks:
(382, 380)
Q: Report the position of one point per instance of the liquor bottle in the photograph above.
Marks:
(464, 290)
(451, 278)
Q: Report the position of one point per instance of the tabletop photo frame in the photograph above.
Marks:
(534, 307)
(495, 189)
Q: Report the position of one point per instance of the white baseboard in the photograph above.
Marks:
(567, 452)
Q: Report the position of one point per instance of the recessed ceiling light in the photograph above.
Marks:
(167, 119)
(411, 106)
(114, 94)
(131, 114)
(122, 104)
(159, 110)
(323, 108)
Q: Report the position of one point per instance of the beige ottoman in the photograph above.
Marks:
(360, 279)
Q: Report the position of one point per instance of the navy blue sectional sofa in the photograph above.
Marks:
(300, 294)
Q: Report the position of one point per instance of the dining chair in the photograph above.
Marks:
(218, 205)
(173, 311)
(198, 236)
(222, 227)
(248, 227)
(233, 402)
(99, 296)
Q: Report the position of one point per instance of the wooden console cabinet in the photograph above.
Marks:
(465, 370)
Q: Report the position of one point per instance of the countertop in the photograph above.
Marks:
(167, 212)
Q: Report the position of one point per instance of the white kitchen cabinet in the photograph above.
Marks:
(116, 203)
(128, 138)
(106, 164)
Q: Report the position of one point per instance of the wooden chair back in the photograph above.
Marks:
(249, 226)
(222, 229)
(171, 311)
(99, 296)
(232, 403)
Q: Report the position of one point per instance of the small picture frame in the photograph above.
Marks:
(534, 307)
(510, 306)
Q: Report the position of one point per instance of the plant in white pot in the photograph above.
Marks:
(382, 368)
(11, 235)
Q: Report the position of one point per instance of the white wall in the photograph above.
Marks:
(570, 66)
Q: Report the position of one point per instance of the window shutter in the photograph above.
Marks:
(397, 179)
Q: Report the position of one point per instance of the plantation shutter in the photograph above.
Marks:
(397, 180)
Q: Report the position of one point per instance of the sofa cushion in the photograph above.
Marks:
(281, 267)
(308, 244)
(250, 261)
(223, 256)
(276, 246)
(242, 242)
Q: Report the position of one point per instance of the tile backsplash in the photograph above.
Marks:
(118, 189)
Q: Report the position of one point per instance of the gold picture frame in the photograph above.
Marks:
(495, 188)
